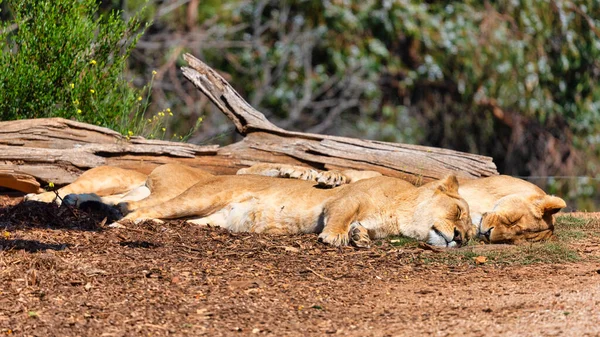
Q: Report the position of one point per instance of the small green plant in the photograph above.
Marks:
(152, 127)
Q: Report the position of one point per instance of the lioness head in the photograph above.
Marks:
(446, 214)
(519, 218)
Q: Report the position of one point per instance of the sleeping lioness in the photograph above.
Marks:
(354, 213)
(503, 209)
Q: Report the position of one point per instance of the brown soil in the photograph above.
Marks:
(63, 273)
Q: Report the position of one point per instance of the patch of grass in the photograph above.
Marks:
(571, 235)
(402, 241)
(570, 228)
(472, 242)
(539, 252)
(571, 222)
(542, 252)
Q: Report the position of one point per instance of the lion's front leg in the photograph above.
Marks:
(195, 202)
(342, 226)
(357, 236)
(101, 180)
(46, 197)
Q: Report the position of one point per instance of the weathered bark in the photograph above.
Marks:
(58, 150)
(415, 163)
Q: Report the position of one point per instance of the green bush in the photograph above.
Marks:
(516, 80)
(63, 58)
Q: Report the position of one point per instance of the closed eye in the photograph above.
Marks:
(511, 221)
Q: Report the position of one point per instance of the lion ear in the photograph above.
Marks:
(448, 185)
(550, 204)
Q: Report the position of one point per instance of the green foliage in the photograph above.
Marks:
(312, 59)
(537, 58)
(154, 127)
(62, 58)
(451, 74)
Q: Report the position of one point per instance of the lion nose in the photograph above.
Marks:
(457, 236)
(487, 234)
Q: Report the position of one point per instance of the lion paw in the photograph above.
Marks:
(151, 220)
(46, 197)
(300, 173)
(154, 222)
(359, 236)
(331, 178)
(334, 239)
(76, 200)
(116, 225)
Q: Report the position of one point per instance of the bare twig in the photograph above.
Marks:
(321, 276)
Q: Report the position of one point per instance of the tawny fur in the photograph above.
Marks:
(373, 208)
(503, 209)
(101, 181)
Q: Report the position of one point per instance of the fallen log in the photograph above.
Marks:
(36, 152)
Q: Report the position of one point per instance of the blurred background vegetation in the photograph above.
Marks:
(514, 79)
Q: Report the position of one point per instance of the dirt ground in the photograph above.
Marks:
(63, 273)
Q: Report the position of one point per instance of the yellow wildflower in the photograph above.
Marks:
(168, 109)
(149, 120)
(139, 98)
(130, 133)
(51, 184)
(170, 113)
(161, 114)
(79, 111)
(72, 86)
(76, 102)
(153, 72)
(93, 62)
(163, 129)
(92, 91)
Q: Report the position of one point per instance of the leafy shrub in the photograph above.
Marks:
(516, 80)
(63, 58)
